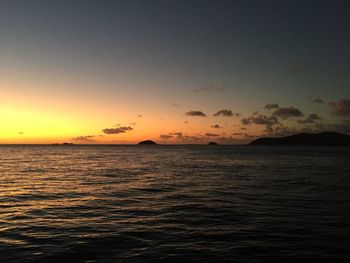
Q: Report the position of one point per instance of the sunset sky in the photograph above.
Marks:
(172, 71)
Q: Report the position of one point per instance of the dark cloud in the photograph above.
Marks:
(285, 113)
(117, 130)
(340, 108)
(271, 106)
(186, 122)
(312, 118)
(132, 123)
(84, 139)
(139, 116)
(212, 87)
(237, 133)
(208, 134)
(196, 113)
(313, 99)
(216, 126)
(226, 113)
(21, 133)
(260, 120)
(165, 136)
(175, 105)
(243, 129)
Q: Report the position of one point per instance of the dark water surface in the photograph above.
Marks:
(174, 203)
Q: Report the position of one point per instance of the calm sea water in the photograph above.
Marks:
(173, 203)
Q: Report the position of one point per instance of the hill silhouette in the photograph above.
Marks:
(323, 138)
(149, 142)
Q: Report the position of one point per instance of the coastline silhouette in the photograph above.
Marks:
(323, 138)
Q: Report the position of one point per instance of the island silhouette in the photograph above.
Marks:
(323, 138)
(147, 142)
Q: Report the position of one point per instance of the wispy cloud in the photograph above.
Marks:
(165, 136)
(312, 118)
(297, 68)
(271, 106)
(285, 113)
(84, 139)
(212, 87)
(340, 108)
(208, 134)
(195, 113)
(117, 130)
(260, 120)
(313, 99)
(225, 113)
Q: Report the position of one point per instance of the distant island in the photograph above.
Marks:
(212, 143)
(149, 142)
(323, 138)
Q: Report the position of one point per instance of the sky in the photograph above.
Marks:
(174, 71)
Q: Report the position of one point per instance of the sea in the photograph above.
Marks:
(174, 203)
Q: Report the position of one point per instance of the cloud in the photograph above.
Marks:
(85, 139)
(132, 123)
(165, 136)
(246, 135)
(226, 113)
(208, 134)
(196, 113)
(285, 113)
(139, 116)
(175, 105)
(212, 87)
(312, 118)
(216, 126)
(343, 126)
(313, 99)
(271, 106)
(21, 133)
(176, 133)
(260, 120)
(340, 108)
(282, 130)
(117, 130)
(186, 122)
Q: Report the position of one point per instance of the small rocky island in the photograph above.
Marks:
(147, 142)
(212, 143)
(323, 138)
